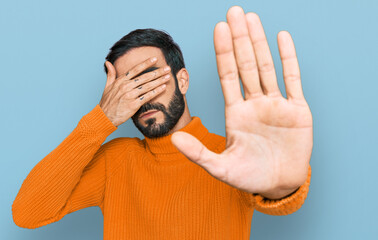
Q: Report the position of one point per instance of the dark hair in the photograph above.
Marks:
(149, 37)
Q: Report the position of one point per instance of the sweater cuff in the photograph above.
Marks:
(286, 205)
(96, 126)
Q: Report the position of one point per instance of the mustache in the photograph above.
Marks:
(150, 106)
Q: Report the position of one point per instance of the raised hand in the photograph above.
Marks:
(269, 138)
(123, 96)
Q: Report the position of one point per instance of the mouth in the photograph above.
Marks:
(148, 114)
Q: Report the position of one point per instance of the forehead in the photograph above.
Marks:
(136, 56)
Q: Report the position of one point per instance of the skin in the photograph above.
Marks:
(269, 138)
(171, 116)
(119, 107)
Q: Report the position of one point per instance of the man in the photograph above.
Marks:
(181, 181)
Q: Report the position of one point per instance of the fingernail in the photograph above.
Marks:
(166, 69)
(153, 59)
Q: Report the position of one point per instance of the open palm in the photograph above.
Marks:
(268, 137)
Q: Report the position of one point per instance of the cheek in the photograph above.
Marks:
(161, 98)
(165, 96)
(171, 85)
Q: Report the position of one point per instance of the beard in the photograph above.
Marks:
(175, 110)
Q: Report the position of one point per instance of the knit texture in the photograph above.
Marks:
(146, 189)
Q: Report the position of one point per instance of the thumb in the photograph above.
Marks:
(195, 151)
(111, 73)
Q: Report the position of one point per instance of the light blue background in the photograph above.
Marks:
(51, 60)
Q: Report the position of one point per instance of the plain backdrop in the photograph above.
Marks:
(51, 61)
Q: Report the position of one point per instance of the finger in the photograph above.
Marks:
(264, 59)
(290, 66)
(227, 69)
(245, 56)
(149, 95)
(129, 88)
(196, 152)
(140, 67)
(143, 89)
(111, 75)
(134, 71)
(148, 76)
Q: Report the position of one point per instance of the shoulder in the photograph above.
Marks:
(118, 149)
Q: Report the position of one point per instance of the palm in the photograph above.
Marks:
(268, 137)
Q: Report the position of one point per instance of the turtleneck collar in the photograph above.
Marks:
(163, 145)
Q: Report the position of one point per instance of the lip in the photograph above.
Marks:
(148, 113)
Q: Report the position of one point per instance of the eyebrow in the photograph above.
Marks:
(150, 69)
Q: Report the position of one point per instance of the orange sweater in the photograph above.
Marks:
(146, 189)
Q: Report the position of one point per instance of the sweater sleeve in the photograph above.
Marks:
(283, 206)
(69, 178)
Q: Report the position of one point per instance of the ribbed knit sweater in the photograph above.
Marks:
(146, 189)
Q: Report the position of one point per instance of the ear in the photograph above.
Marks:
(183, 80)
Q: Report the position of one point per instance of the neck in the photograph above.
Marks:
(163, 146)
